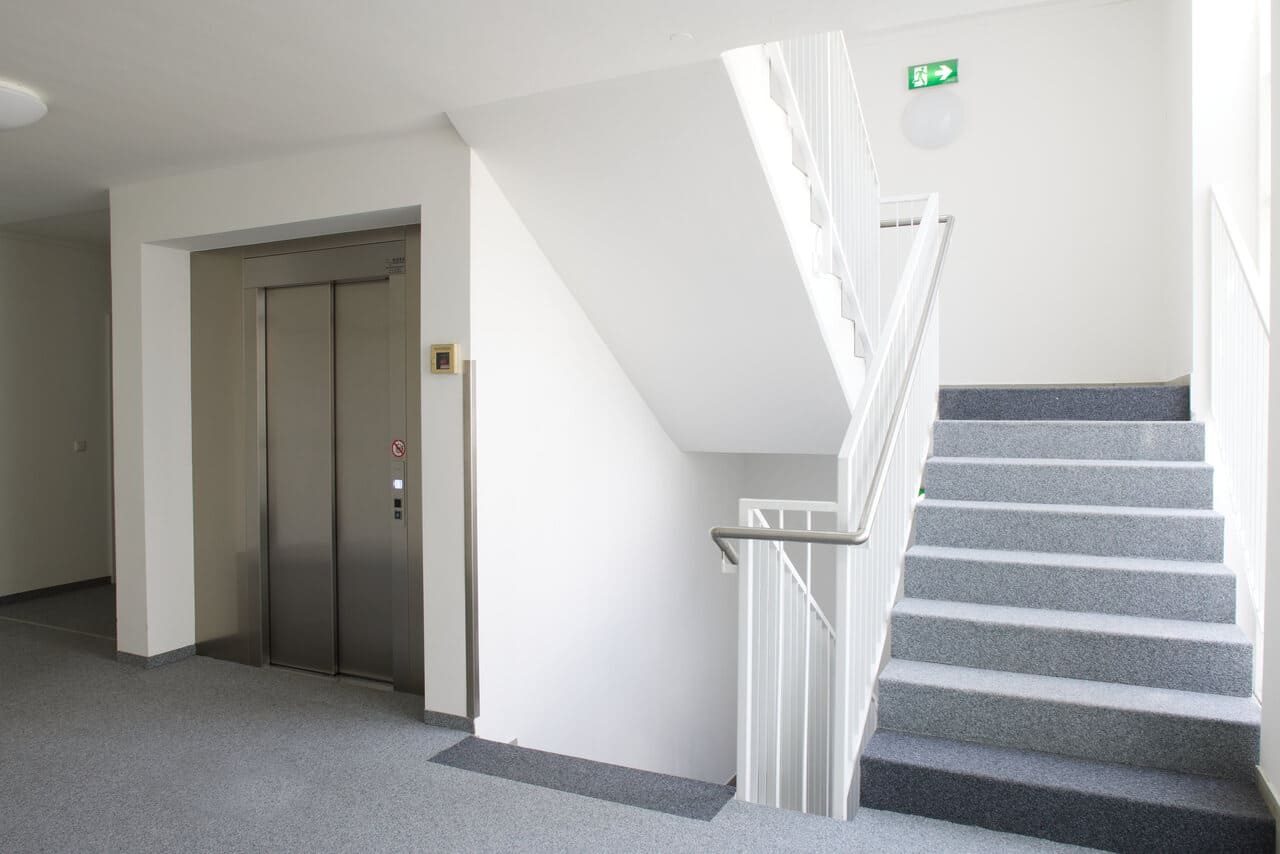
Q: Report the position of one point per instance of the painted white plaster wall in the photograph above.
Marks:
(794, 477)
(154, 226)
(800, 477)
(1225, 74)
(606, 628)
(1064, 188)
(1269, 760)
(648, 196)
(55, 504)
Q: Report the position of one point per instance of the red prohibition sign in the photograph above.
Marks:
(398, 448)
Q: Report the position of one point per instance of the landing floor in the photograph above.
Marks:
(90, 610)
(203, 755)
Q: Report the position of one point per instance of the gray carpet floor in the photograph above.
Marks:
(91, 610)
(203, 755)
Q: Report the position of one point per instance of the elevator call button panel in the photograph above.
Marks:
(397, 490)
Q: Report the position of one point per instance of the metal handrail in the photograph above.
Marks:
(720, 535)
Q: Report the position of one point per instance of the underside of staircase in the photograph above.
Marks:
(1065, 661)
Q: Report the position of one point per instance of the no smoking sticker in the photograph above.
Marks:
(398, 448)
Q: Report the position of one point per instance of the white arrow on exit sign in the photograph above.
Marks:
(943, 72)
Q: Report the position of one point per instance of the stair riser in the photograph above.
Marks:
(1183, 665)
(1080, 403)
(1169, 440)
(1067, 483)
(1095, 821)
(1167, 537)
(1197, 746)
(1165, 595)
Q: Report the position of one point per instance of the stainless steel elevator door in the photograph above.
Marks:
(362, 436)
(300, 472)
(329, 491)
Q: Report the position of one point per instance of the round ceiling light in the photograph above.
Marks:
(19, 106)
(933, 119)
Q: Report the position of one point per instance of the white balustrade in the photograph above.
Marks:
(868, 576)
(1240, 346)
(786, 664)
(805, 680)
(816, 82)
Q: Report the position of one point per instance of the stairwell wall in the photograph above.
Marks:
(1269, 761)
(606, 628)
(1068, 182)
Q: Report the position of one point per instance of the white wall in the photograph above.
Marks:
(801, 477)
(55, 504)
(1225, 78)
(794, 477)
(1065, 188)
(648, 196)
(1269, 761)
(154, 227)
(606, 627)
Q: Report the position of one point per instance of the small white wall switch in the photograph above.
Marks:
(80, 446)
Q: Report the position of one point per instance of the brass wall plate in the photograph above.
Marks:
(444, 359)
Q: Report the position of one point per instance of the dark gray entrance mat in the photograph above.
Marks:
(673, 795)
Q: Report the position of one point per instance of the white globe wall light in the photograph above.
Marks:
(19, 106)
(933, 118)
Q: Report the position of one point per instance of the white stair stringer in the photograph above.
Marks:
(647, 195)
(775, 141)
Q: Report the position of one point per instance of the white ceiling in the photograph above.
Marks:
(143, 88)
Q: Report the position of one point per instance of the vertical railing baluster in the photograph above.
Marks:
(780, 671)
(804, 738)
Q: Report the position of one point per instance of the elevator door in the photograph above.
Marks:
(329, 520)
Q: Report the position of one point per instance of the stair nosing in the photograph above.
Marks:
(1065, 422)
(1073, 559)
(1138, 699)
(1187, 465)
(1079, 509)
(1079, 622)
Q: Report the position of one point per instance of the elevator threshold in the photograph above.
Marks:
(360, 681)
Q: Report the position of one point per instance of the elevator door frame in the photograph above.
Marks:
(372, 262)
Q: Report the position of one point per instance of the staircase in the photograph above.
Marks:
(1065, 662)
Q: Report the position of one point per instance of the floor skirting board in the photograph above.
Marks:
(447, 721)
(52, 591)
(149, 662)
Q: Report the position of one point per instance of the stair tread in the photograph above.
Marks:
(1189, 465)
(1073, 621)
(1069, 422)
(1083, 561)
(1190, 792)
(1084, 402)
(1076, 509)
(1079, 692)
(1107, 440)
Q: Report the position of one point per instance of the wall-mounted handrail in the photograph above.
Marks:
(722, 534)
(470, 538)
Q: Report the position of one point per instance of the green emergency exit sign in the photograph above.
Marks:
(933, 74)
